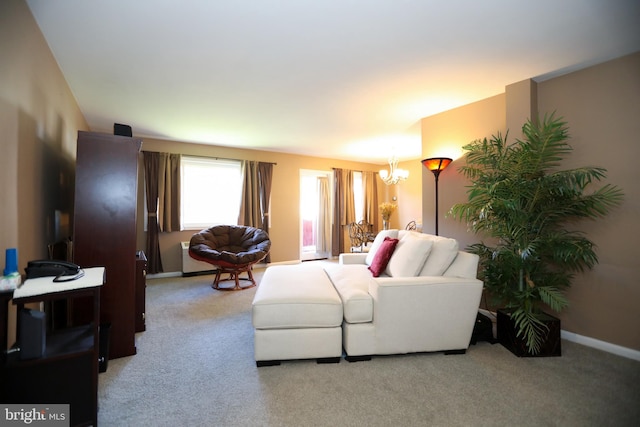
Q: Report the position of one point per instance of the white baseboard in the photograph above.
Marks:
(601, 345)
(580, 339)
(163, 275)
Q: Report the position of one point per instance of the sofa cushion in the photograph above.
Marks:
(409, 256)
(464, 265)
(442, 254)
(377, 242)
(382, 256)
(352, 283)
(296, 296)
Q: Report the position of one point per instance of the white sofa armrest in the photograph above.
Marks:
(352, 258)
(431, 313)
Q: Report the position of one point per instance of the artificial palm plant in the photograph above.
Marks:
(527, 206)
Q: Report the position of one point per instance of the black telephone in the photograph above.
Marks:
(62, 270)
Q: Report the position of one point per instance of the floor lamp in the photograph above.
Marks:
(436, 165)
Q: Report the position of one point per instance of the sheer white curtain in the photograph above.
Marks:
(323, 237)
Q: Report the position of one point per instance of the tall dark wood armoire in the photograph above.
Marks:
(105, 228)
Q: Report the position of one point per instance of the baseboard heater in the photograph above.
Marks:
(190, 266)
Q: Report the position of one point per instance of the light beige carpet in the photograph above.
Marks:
(195, 367)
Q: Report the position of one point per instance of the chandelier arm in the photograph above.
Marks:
(395, 174)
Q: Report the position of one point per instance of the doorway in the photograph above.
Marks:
(315, 214)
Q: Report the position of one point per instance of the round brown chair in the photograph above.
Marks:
(232, 249)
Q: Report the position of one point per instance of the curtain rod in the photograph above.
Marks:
(353, 170)
(209, 157)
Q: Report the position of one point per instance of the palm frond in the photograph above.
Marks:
(553, 297)
(545, 143)
(530, 328)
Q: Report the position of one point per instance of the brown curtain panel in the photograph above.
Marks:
(162, 192)
(170, 206)
(349, 214)
(174, 162)
(151, 170)
(370, 190)
(344, 208)
(265, 176)
(250, 209)
(337, 238)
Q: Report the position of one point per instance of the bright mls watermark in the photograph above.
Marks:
(44, 415)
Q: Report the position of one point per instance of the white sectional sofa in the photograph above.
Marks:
(425, 300)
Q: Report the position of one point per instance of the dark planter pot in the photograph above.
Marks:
(507, 336)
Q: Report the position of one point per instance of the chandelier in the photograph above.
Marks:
(394, 174)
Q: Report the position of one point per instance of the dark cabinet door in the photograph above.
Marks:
(105, 227)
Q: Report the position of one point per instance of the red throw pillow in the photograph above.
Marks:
(383, 255)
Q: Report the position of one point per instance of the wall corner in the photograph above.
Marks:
(521, 105)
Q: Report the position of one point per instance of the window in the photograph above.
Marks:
(210, 192)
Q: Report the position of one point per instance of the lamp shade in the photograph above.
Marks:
(436, 164)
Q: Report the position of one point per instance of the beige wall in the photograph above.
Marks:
(409, 195)
(601, 107)
(521, 104)
(39, 119)
(285, 196)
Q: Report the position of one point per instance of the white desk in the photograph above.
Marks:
(45, 285)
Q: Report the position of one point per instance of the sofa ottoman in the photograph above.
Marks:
(297, 314)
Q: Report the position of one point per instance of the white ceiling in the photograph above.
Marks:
(346, 79)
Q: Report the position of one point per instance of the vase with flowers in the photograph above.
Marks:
(386, 209)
